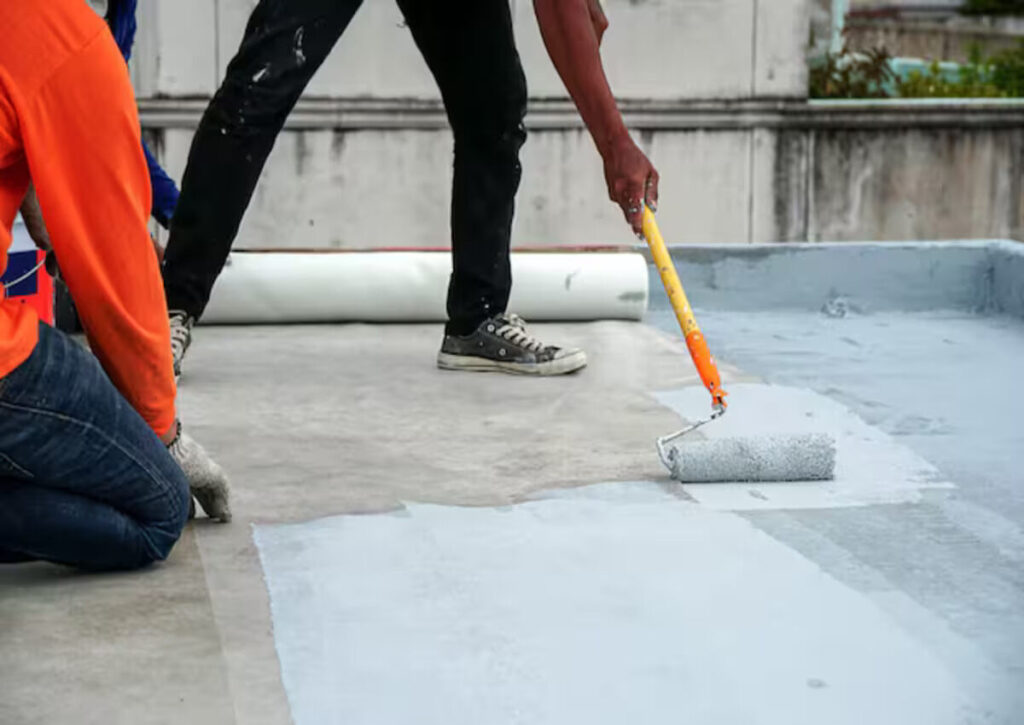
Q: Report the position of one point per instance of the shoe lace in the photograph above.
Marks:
(513, 329)
(181, 331)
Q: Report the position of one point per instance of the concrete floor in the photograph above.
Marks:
(314, 422)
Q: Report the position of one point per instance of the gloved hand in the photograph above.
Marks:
(206, 480)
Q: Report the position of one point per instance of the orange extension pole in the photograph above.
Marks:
(695, 341)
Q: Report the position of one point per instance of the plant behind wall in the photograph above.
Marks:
(993, 7)
(870, 75)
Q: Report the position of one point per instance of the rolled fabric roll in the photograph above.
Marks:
(297, 287)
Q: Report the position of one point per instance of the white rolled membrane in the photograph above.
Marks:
(297, 287)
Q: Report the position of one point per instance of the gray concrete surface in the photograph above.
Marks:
(312, 422)
(907, 589)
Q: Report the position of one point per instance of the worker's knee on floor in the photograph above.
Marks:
(182, 499)
(160, 541)
(163, 535)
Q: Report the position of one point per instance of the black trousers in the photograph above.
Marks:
(470, 49)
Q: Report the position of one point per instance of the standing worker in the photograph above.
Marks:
(95, 471)
(470, 49)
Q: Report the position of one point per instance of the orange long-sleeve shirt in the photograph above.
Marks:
(68, 121)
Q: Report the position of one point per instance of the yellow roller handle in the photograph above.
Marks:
(695, 341)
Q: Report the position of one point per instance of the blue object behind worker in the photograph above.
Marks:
(121, 19)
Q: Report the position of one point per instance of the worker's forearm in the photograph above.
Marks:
(573, 44)
(33, 217)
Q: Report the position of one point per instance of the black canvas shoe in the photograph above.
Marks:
(501, 344)
(181, 336)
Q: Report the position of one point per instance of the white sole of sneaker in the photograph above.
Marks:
(468, 363)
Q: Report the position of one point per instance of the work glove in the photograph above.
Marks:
(206, 480)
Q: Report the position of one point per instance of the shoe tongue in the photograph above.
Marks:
(514, 320)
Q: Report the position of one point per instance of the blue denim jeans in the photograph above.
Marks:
(83, 479)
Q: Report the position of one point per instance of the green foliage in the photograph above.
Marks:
(869, 75)
(993, 7)
(972, 83)
(999, 76)
(1007, 71)
(852, 75)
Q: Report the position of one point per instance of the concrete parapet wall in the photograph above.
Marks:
(654, 49)
(713, 89)
(1007, 277)
(854, 278)
(934, 41)
(376, 173)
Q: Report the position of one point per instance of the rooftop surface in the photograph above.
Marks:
(411, 545)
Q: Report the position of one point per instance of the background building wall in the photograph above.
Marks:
(713, 90)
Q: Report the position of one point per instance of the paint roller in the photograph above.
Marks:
(805, 457)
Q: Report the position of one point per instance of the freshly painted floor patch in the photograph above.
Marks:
(871, 467)
(611, 604)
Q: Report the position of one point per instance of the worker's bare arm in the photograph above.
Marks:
(33, 217)
(572, 31)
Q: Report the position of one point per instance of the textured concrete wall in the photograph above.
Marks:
(325, 186)
(654, 49)
(856, 184)
(374, 188)
(751, 162)
(913, 184)
(812, 177)
(952, 41)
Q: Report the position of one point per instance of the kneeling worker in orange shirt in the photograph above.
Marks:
(95, 471)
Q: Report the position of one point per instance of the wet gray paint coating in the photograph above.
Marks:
(893, 594)
(947, 385)
(608, 604)
(947, 564)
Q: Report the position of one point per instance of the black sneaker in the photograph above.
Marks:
(501, 344)
(181, 337)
